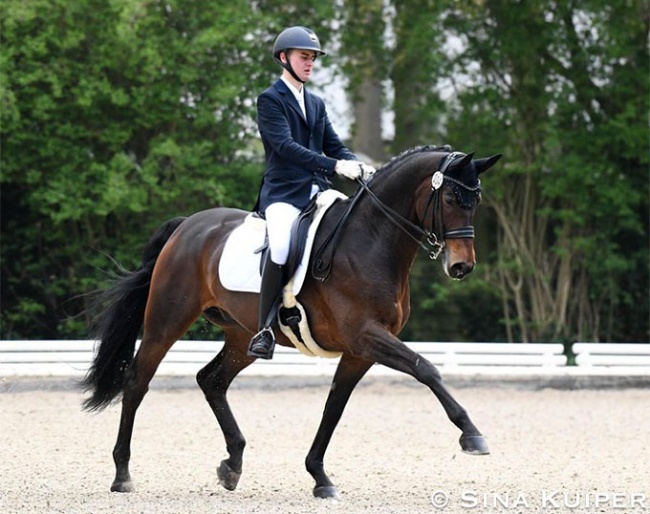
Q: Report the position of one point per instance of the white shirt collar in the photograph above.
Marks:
(300, 95)
(297, 94)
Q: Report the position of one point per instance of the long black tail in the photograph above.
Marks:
(117, 326)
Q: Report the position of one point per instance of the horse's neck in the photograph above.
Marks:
(397, 243)
(397, 189)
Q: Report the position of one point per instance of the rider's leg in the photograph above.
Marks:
(279, 218)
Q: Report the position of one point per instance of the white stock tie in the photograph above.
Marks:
(301, 102)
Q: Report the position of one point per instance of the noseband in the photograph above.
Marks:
(437, 235)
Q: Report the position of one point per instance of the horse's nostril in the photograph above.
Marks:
(460, 269)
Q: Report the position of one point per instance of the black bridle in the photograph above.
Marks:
(437, 236)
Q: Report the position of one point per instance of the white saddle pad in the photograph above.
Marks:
(239, 267)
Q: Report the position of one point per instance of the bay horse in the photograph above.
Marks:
(425, 193)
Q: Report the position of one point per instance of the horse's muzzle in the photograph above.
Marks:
(459, 258)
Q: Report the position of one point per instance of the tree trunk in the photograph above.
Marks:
(367, 133)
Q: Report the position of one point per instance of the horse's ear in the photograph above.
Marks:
(464, 161)
(485, 164)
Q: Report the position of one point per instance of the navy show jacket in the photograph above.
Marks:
(298, 151)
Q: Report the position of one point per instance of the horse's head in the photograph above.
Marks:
(447, 191)
(455, 192)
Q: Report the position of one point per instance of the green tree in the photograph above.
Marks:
(365, 64)
(562, 89)
(117, 115)
(416, 65)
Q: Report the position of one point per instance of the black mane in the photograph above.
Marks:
(412, 151)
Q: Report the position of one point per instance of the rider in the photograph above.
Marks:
(302, 153)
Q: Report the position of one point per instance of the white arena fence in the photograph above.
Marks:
(73, 357)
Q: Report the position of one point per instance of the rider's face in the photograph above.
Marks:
(302, 62)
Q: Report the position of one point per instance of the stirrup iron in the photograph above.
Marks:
(262, 344)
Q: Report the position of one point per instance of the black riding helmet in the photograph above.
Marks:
(295, 38)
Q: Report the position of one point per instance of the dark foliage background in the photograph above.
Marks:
(117, 115)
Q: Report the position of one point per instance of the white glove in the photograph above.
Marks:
(368, 170)
(349, 169)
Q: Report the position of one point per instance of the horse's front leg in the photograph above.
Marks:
(214, 380)
(381, 346)
(348, 373)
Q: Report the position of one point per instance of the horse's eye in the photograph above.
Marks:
(449, 198)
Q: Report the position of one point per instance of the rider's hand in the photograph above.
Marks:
(349, 169)
(368, 170)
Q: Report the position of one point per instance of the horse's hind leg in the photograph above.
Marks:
(348, 373)
(136, 386)
(162, 329)
(214, 379)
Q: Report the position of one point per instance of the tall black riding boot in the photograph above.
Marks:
(262, 343)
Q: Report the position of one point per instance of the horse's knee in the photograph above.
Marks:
(431, 369)
(425, 372)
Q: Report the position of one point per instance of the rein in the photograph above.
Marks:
(436, 237)
(400, 221)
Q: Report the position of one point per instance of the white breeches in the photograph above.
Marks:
(279, 219)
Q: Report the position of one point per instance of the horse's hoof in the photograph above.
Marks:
(122, 487)
(474, 445)
(227, 476)
(326, 491)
